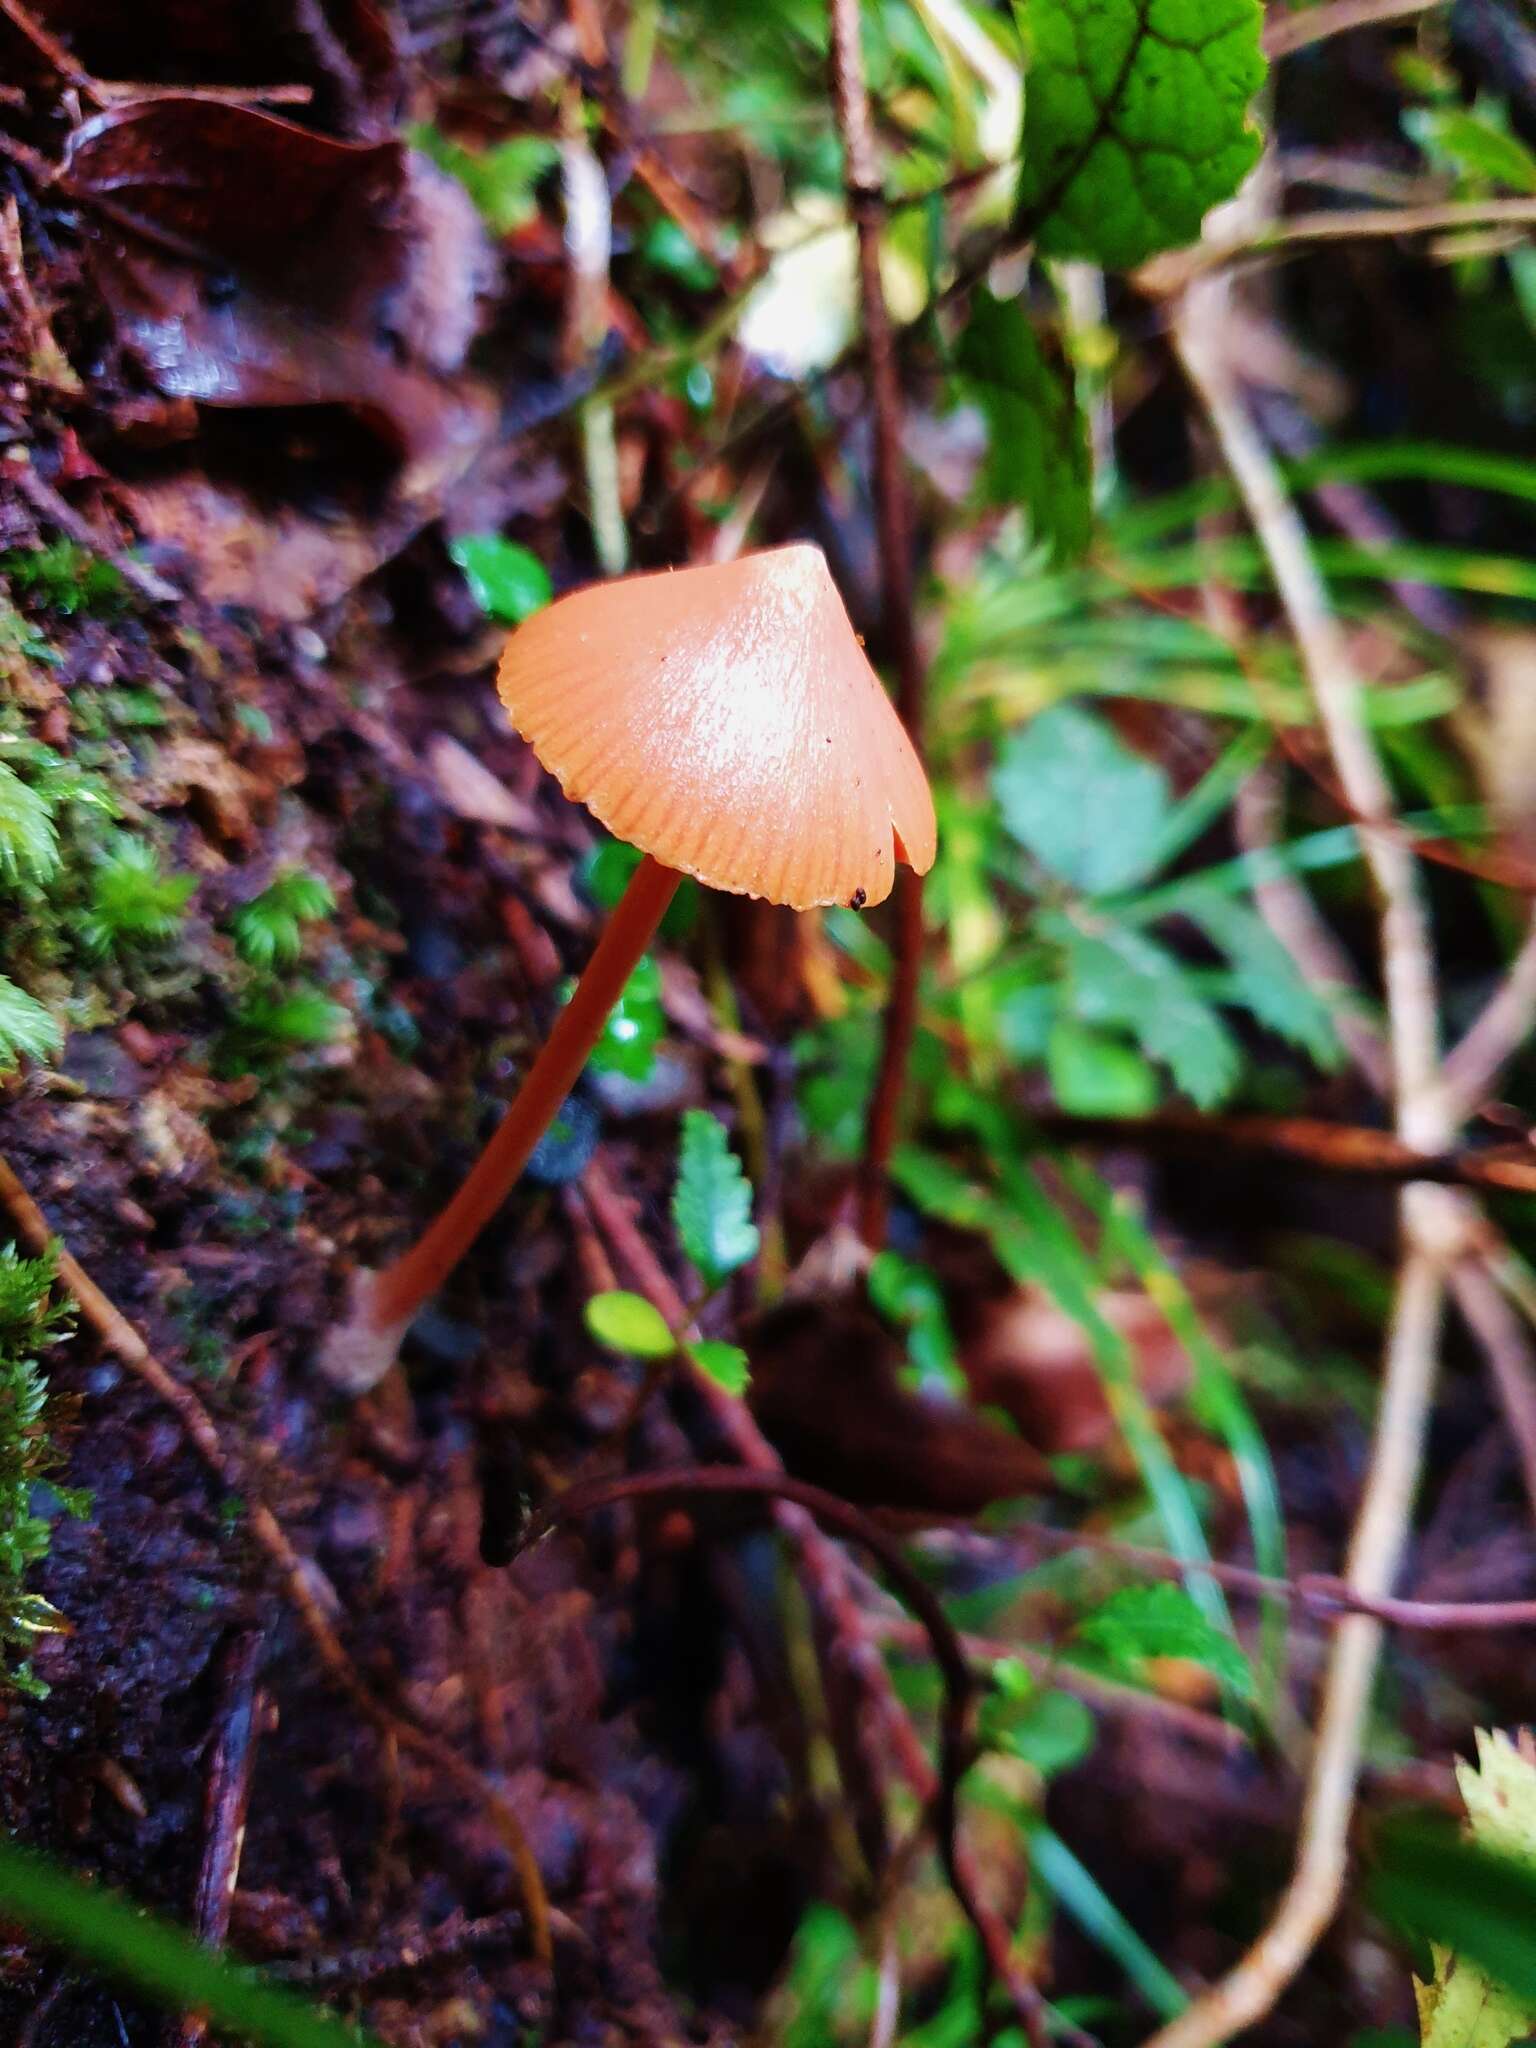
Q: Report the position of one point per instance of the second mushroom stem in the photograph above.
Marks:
(402, 1288)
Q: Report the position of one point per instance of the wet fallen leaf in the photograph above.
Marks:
(250, 262)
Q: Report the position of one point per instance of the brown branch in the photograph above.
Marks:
(1351, 1151)
(297, 1577)
(893, 521)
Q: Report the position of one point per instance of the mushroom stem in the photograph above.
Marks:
(387, 1302)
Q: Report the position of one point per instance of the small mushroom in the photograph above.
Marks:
(726, 721)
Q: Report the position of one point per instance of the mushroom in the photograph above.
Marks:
(726, 721)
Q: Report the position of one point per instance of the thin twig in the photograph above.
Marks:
(57, 512)
(1362, 224)
(1291, 915)
(1502, 1338)
(893, 522)
(1433, 1221)
(1472, 1066)
(1285, 32)
(297, 1577)
(226, 1801)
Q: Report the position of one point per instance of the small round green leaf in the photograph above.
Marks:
(628, 1323)
(505, 580)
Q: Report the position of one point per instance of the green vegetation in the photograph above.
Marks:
(31, 1320)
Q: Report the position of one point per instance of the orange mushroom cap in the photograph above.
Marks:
(726, 721)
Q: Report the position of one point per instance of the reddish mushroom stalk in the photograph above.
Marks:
(389, 1300)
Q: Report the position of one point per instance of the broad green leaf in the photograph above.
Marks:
(628, 1323)
(508, 582)
(1162, 1621)
(712, 1202)
(1119, 977)
(1076, 797)
(103, 1930)
(1136, 121)
(1462, 2006)
(726, 1364)
(1037, 453)
(1093, 1074)
(25, 1027)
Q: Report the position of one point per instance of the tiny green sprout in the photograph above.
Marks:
(132, 902)
(268, 931)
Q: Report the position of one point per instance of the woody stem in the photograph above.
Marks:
(400, 1290)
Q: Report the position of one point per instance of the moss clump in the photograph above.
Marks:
(30, 1416)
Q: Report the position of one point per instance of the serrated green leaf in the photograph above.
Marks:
(1266, 980)
(508, 582)
(25, 1027)
(1162, 1621)
(712, 1202)
(1120, 978)
(726, 1364)
(628, 1323)
(1463, 2007)
(1037, 453)
(1076, 797)
(1136, 121)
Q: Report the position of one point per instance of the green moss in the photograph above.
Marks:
(30, 1415)
(65, 577)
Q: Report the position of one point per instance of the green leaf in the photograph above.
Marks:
(1475, 142)
(1046, 1728)
(1092, 1074)
(909, 1295)
(1037, 454)
(25, 1027)
(1119, 977)
(500, 180)
(608, 871)
(99, 1928)
(1462, 2007)
(1266, 981)
(1162, 1621)
(1473, 1904)
(628, 1323)
(712, 1202)
(1136, 121)
(1076, 797)
(635, 1026)
(1082, 1896)
(726, 1364)
(508, 582)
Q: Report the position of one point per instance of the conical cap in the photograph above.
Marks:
(726, 720)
